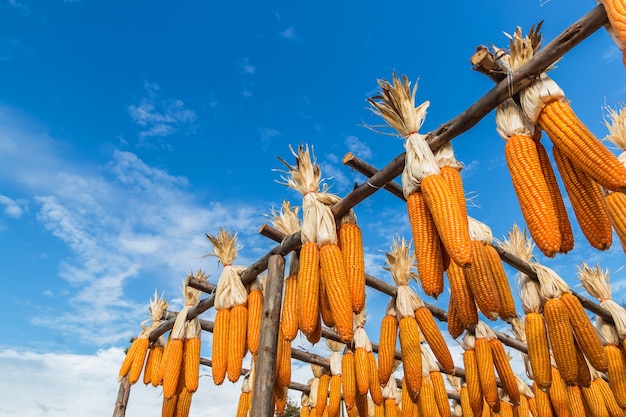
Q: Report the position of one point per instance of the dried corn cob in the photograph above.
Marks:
(351, 242)
(387, 343)
(464, 299)
(348, 378)
(337, 288)
(481, 282)
(255, 308)
(486, 370)
(472, 379)
(220, 346)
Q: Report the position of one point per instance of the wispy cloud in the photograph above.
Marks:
(289, 33)
(247, 67)
(358, 148)
(13, 208)
(161, 117)
(611, 54)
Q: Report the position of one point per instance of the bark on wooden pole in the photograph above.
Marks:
(263, 392)
(122, 398)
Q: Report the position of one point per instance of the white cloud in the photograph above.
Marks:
(611, 54)
(358, 148)
(36, 384)
(161, 117)
(247, 67)
(12, 208)
(289, 33)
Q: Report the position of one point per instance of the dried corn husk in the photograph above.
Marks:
(230, 290)
(615, 122)
(401, 264)
(286, 220)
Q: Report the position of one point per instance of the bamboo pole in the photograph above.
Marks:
(265, 372)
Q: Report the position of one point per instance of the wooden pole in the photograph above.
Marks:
(122, 398)
(265, 372)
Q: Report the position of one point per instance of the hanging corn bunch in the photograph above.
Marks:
(245, 398)
(481, 232)
(283, 360)
(434, 212)
(136, 356)
(334, 396)
(179, 403)
(286, 220)
(320, 255)
(362, 347)
(348, 378)
(616, 12)
(544, 103)
(616, 201)
(229, 331)
(529, 182)
(181, 359)
(351, 244)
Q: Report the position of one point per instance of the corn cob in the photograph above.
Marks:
(191, 363)
(455, 325)
(486, 371)
(376, 392)
(533, 193)
(387, 344)
(316, 335)
(172, 367)
(183, 403)
(157, 353)
(481, 282)
(505, 372)
(468, 410)
(411, 355)
(427, 403)
(408, 406)
(594, 402)
(138, 359)
(361, 367)
(361, 404)
(474, 391)
(617, 373)
(289, 314)
(280, 400)
(334, 398)
(464, 299)
(147, 373)
(426, 243)
(542, 400)
(561, 339)
(127, 363)
(523, 410)
(243, 404)
(308, 287)
(505, 296)
(616, 205)
(322, 394)
(587, 201)
(168, 407)
(434, 338)
(255, 307)
(351, 242)
(608, 396)
(448, 218)
(575, 399)
(584, 375)
(283, 360)
(348, 379)
(455, 182)
(221, 345)
(237, 328)
(338, 289)
(391, 408)
(441, 395)
(558, 395)
(325, 311)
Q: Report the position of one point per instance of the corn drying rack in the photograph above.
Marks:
(273, 262)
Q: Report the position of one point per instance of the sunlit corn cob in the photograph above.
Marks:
(434, 338)
(584, 374)
(255, 307)
(237, 328)
(575, 399)
(411, 355)
(362, 370)
(481, 282)
(426, 243)
(173, 367)
(221, 346)
(191, 363)
(351, 242)
(594, 402)
(617, 373)
(502, 363)
(325, 310)
(538, 349)
(561, 337)
(474, 391)
(608, 396)
(283, 360)
(587, 200)
(454, 323)
(289, 313)
(441, 394)
(542, 402)
(308, 287)
(387, 346)
(427, 404)
(505, 296)
(616, 205)
(463, 297)
(338, 289)
(486, 371)
(348, 379)
(558, 394)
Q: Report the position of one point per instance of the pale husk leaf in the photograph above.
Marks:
(335, 363)
(523, 387)
(360, 339)
(315, 383)
(552, 285)
(318, 370)
(615, 122)
(530, 294)
(400, 262)
(286, 219)
(482, 330)
(479, 230)
(445, 157)
(597, 283)
(606, 332)
(429, 363)
(225, 246)
(518, 244)
(391, 388)
(511, 121)
(158, 306)
(335, 346)
(419, 163)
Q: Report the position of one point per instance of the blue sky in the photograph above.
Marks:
(130, 129)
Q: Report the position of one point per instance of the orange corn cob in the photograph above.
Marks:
(561, 339)
(558, 395)
(255, 308)
(325, 311)
(584, 374)
(587, 201)
(334, 398)
(506, 409)
(139, 359)
(426, 402)
(379, 410)
(183, 403)
(585, 332)
(283, 361)
(616, 205)
(289, 314)
(172, 367)
(532, 406)
(523, 409)
(481, 282)
(237, 328)
(243, 405)
(565, 227)
(280, 400)
(455, 325)
(308, 287)
(616, 12)
(505, 372)
(576, 404)
(448, 218)
(538, 349)
(391, 408)
(486, 371)
(127, 363)
(351, 242)
(411, 355)
(617, 373)
(361, 404)
(387, 347)
(608, 395)
(408, 406)
(466, 406)
(464, 299)
(434, 338)
(426, 244)
(316, 335)
(533, 194)
(376, 391)
(594, 402)
(192, 363)
(441, 394)
(454, 180)
(472, 380)
(338, 290)
(322, 394)
(168, 407)
(348, 379)
(362, 369)
(157, 356)
(542, 402)
(572, 137)
(221, 345)
(505, 296)
(147, 373)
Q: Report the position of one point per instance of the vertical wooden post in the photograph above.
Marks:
(122, 398)
(265, 371)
